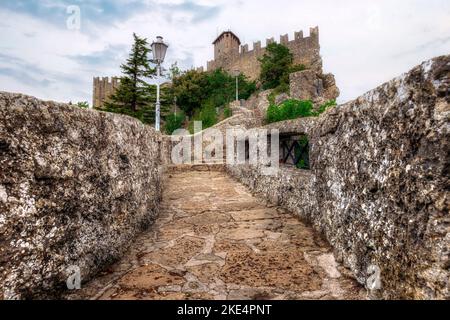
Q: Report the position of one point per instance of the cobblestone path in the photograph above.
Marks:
(214, 240)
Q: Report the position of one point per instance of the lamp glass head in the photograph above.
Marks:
(159, 49)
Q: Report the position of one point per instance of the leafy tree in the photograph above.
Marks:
(197, 90)
(134, 95)
(83, 105)
(189, 90)
(174, 71)
(274, 64)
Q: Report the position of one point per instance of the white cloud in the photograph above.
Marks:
(364, 43)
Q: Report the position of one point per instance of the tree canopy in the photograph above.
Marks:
(135, 96)
(195, 90)
(276, 66)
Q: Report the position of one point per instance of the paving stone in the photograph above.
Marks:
(211, 243)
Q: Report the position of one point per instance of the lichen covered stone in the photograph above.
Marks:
(76, 186)
(378, 188)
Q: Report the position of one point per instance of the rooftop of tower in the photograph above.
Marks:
(227, 32)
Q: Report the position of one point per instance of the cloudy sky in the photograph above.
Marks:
(364, 42)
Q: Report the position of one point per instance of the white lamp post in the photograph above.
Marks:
(237, 73)
(159, 49)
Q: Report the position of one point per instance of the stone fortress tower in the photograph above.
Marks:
(310, 84)
(230, 55)
(103, 88)
(227, 44)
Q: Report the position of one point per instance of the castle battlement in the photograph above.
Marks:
(103, 88)
(107, 80)
(285, 40)
(306, 50)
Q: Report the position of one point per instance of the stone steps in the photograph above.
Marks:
(196, 167)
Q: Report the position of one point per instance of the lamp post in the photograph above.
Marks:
(175, 105)
(159, 49)
(237, 73)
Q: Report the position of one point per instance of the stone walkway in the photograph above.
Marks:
(214, 240)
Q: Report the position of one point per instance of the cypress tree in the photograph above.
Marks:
(135, 96)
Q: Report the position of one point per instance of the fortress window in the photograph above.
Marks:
(247, 151)
(294, 151)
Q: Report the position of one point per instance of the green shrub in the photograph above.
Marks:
(297, 68)
(83, 105)
(188, 88)
(289, 109)
(227, 112)
(293, 109)
(174, 122)
(325, 107)
(207, 115)
(272, 114)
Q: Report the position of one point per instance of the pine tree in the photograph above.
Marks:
(147, 113)
(135, 96)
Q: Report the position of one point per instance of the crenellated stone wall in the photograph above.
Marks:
(306, 51)
(103, 88)
(378, 188)
(76, 187)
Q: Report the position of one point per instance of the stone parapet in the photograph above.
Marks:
(76, 187)
(378, 185)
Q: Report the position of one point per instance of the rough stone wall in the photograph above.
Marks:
(76, 186)
(306, 50)
(378, 188)
(103, 89)
(310, 85)
(259, 103)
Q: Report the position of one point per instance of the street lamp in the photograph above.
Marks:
(159, 49)
(175, 105)
(237, 73)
